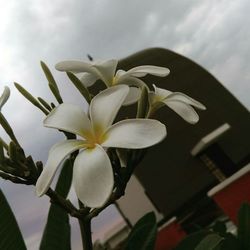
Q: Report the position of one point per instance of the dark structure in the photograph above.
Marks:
(173, 178)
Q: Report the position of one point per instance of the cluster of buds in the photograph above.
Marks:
(14, 165)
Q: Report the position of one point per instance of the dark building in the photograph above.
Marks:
(173, 178)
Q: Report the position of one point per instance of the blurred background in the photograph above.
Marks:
(215, 34)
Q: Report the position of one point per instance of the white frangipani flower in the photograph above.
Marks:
(4, 97)
(178, 102)
(106, 71)
(92, 172)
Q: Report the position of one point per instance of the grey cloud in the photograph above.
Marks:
(213, 33)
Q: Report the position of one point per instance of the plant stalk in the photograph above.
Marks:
(85, 227)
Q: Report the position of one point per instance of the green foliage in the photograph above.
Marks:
(44, 103)
(5, 146)
(52, 83)
(56, 235)
(218, 239)
(220, 228)
(191, 241)
(79, 85)
(30, 98)
(143, 234)
(209, 242)
(2, 158)
(244, 226)
(143, 103)
(6, 126)
(55, 93)
(10, 235)
(230, 242)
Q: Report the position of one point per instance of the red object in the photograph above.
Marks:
(233, 193)
(169, 236)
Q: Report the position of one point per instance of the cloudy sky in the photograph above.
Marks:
(214, 33)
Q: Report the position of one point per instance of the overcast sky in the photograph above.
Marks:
(213, 33)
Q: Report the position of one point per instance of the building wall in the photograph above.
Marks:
(171, 175)
(136, 203)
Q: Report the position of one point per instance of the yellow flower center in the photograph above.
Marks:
(95, 137)
(114, 81)
(159, 98)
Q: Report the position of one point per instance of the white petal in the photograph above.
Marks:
(75, 67)
(120, 73)
(56, 155)
(135, 133)
(133, 96)
(70, 118)
(93, 177)
(105, 105)
(107, 71)
(4, 97)
(152, 97)
(88, 79)
(161, 93)
(184, 110)
(141, 71)
(178, 96)
(130, 81)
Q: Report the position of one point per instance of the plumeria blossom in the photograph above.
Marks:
(177, 101)
(106, 71)
(92, 171)
(4, 97)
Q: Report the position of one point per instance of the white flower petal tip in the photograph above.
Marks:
(56, 155)
(143, 70)
(184, 110)
(74, 66)
(187, 99)
(178, 102)
(135, 134)
(105, 105)
(39, 191)
(4, 97)
(93, 177)
(201, 106)
(70, 118)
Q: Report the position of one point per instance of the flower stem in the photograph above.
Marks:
(85, 227)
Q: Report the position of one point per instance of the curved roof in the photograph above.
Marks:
(170, 174)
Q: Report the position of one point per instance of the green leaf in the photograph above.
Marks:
(229, 243)
(6, 147)
(65, 179)
(56, 93)
(244, 226)
(192, 240)
(2, 157)
(220, 228)
(210, 242)
(44, 103)
(56, 235)
(10, 235)
(79, 85)
(6, 126)
(48, 75)
(143, 234)
(52, 83)
(30, 98)
(13, 151)
(143, 103)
